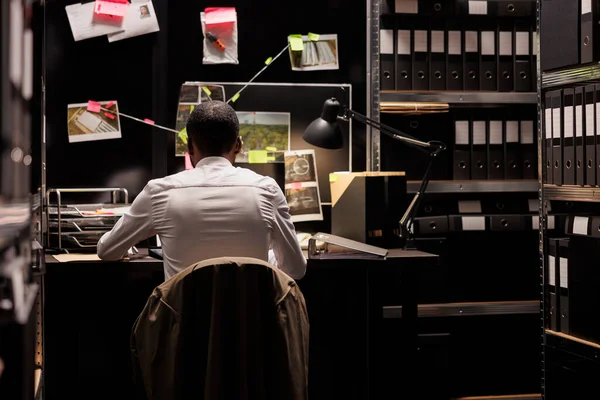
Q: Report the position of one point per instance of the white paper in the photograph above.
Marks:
(471, 42)
(462, 132)
(478, 7)
(139, 20)
(580, 225)
(551, 222)
(526, 132)
(83, 26)
(469, 206)
(386, 41)
(404, 42)
(421, 42)
(27, 87)
(578, 121)
(589, 120)
(586, 7)
(556, 123)
(302, 186)
(16, 42)
(534, 43)
(564, 272)
(505, 45)
(548, 123)
(495, 132)
(488, 43)
(454, 43)
(522, 44)
(407, 6)
(552, 270)
(568, 122)
(512, 131)
(85, 126)
(437, 42)
(478, 132)
(473, 223)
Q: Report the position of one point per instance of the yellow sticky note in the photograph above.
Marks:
(296, 42)
(183, 135)
(270, 148)
(192, 108)
(268, 60)
(235, 97)
(333, 178)
(257, 156)
(206, 90)
(270, 158)
(313, 37)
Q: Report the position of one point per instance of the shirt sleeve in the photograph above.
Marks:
(133, 227)
(286, 247)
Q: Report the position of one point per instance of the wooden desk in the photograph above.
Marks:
(91, 307)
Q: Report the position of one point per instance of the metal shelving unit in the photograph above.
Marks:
(572, 193)
(458, 99)
(477, 186)
(578, 74)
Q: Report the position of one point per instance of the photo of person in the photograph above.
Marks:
(144, 12)
(299, 168)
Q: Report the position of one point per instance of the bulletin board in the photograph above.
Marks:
(301, 103)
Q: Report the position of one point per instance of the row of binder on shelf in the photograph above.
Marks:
(571, 278)
(451, 55)
(446, 8)
(571, 136)
(494, 150)
(571, 33)
(443, 224)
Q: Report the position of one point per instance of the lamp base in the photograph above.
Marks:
(410, 244)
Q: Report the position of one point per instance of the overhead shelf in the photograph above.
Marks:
(572, 193)
(576, 74)
(476, 186)
(460, 98)
(573, 344)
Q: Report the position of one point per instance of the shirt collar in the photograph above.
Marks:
(213, 161)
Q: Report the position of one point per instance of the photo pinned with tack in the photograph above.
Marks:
(302, 186)
(139, 20)
(87, 122)
(265, 136)
(314, 52)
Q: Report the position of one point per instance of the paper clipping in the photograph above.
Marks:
(83, 25)
(85, 126)
(302, 186)
(314, 53)
(190, 95)
(263, 133)
(140, 20)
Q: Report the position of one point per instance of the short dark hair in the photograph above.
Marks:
(213, 127)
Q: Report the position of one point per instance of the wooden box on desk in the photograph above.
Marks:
(367, 206)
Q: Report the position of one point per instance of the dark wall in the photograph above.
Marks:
(144, 75)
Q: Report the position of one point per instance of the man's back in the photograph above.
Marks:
(213, 210)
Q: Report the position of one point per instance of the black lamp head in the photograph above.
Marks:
(325, 131)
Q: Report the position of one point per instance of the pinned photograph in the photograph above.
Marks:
(139, 20)
(85, 126)
(319, 52)
(266, 131)
(302, 186)
(144, 12)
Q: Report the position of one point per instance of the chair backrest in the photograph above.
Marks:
(236, 329)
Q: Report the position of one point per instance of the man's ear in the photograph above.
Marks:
(238, 145)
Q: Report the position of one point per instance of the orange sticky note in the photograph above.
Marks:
(109, 115)
(219, 15)
(297, 185)
(149, 121)
(93, 106)
(188, 162)
(109, 104)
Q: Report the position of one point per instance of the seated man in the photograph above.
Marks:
(214, 210)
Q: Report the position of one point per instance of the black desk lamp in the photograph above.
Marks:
(325, 132)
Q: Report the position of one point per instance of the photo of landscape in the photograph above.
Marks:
(268, 131)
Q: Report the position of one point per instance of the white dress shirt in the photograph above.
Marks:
(214, 210)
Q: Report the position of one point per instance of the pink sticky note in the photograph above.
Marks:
(111, 8)
(109, 104)
(219, 15)
(188, 162)
(297, 185)
(149, 121)
(109, 115)
(93, 106)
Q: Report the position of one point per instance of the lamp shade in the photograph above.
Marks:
(325, 131)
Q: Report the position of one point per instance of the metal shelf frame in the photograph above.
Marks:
(578, 74)
(572, 193)
(441, 187)
(464, 99)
